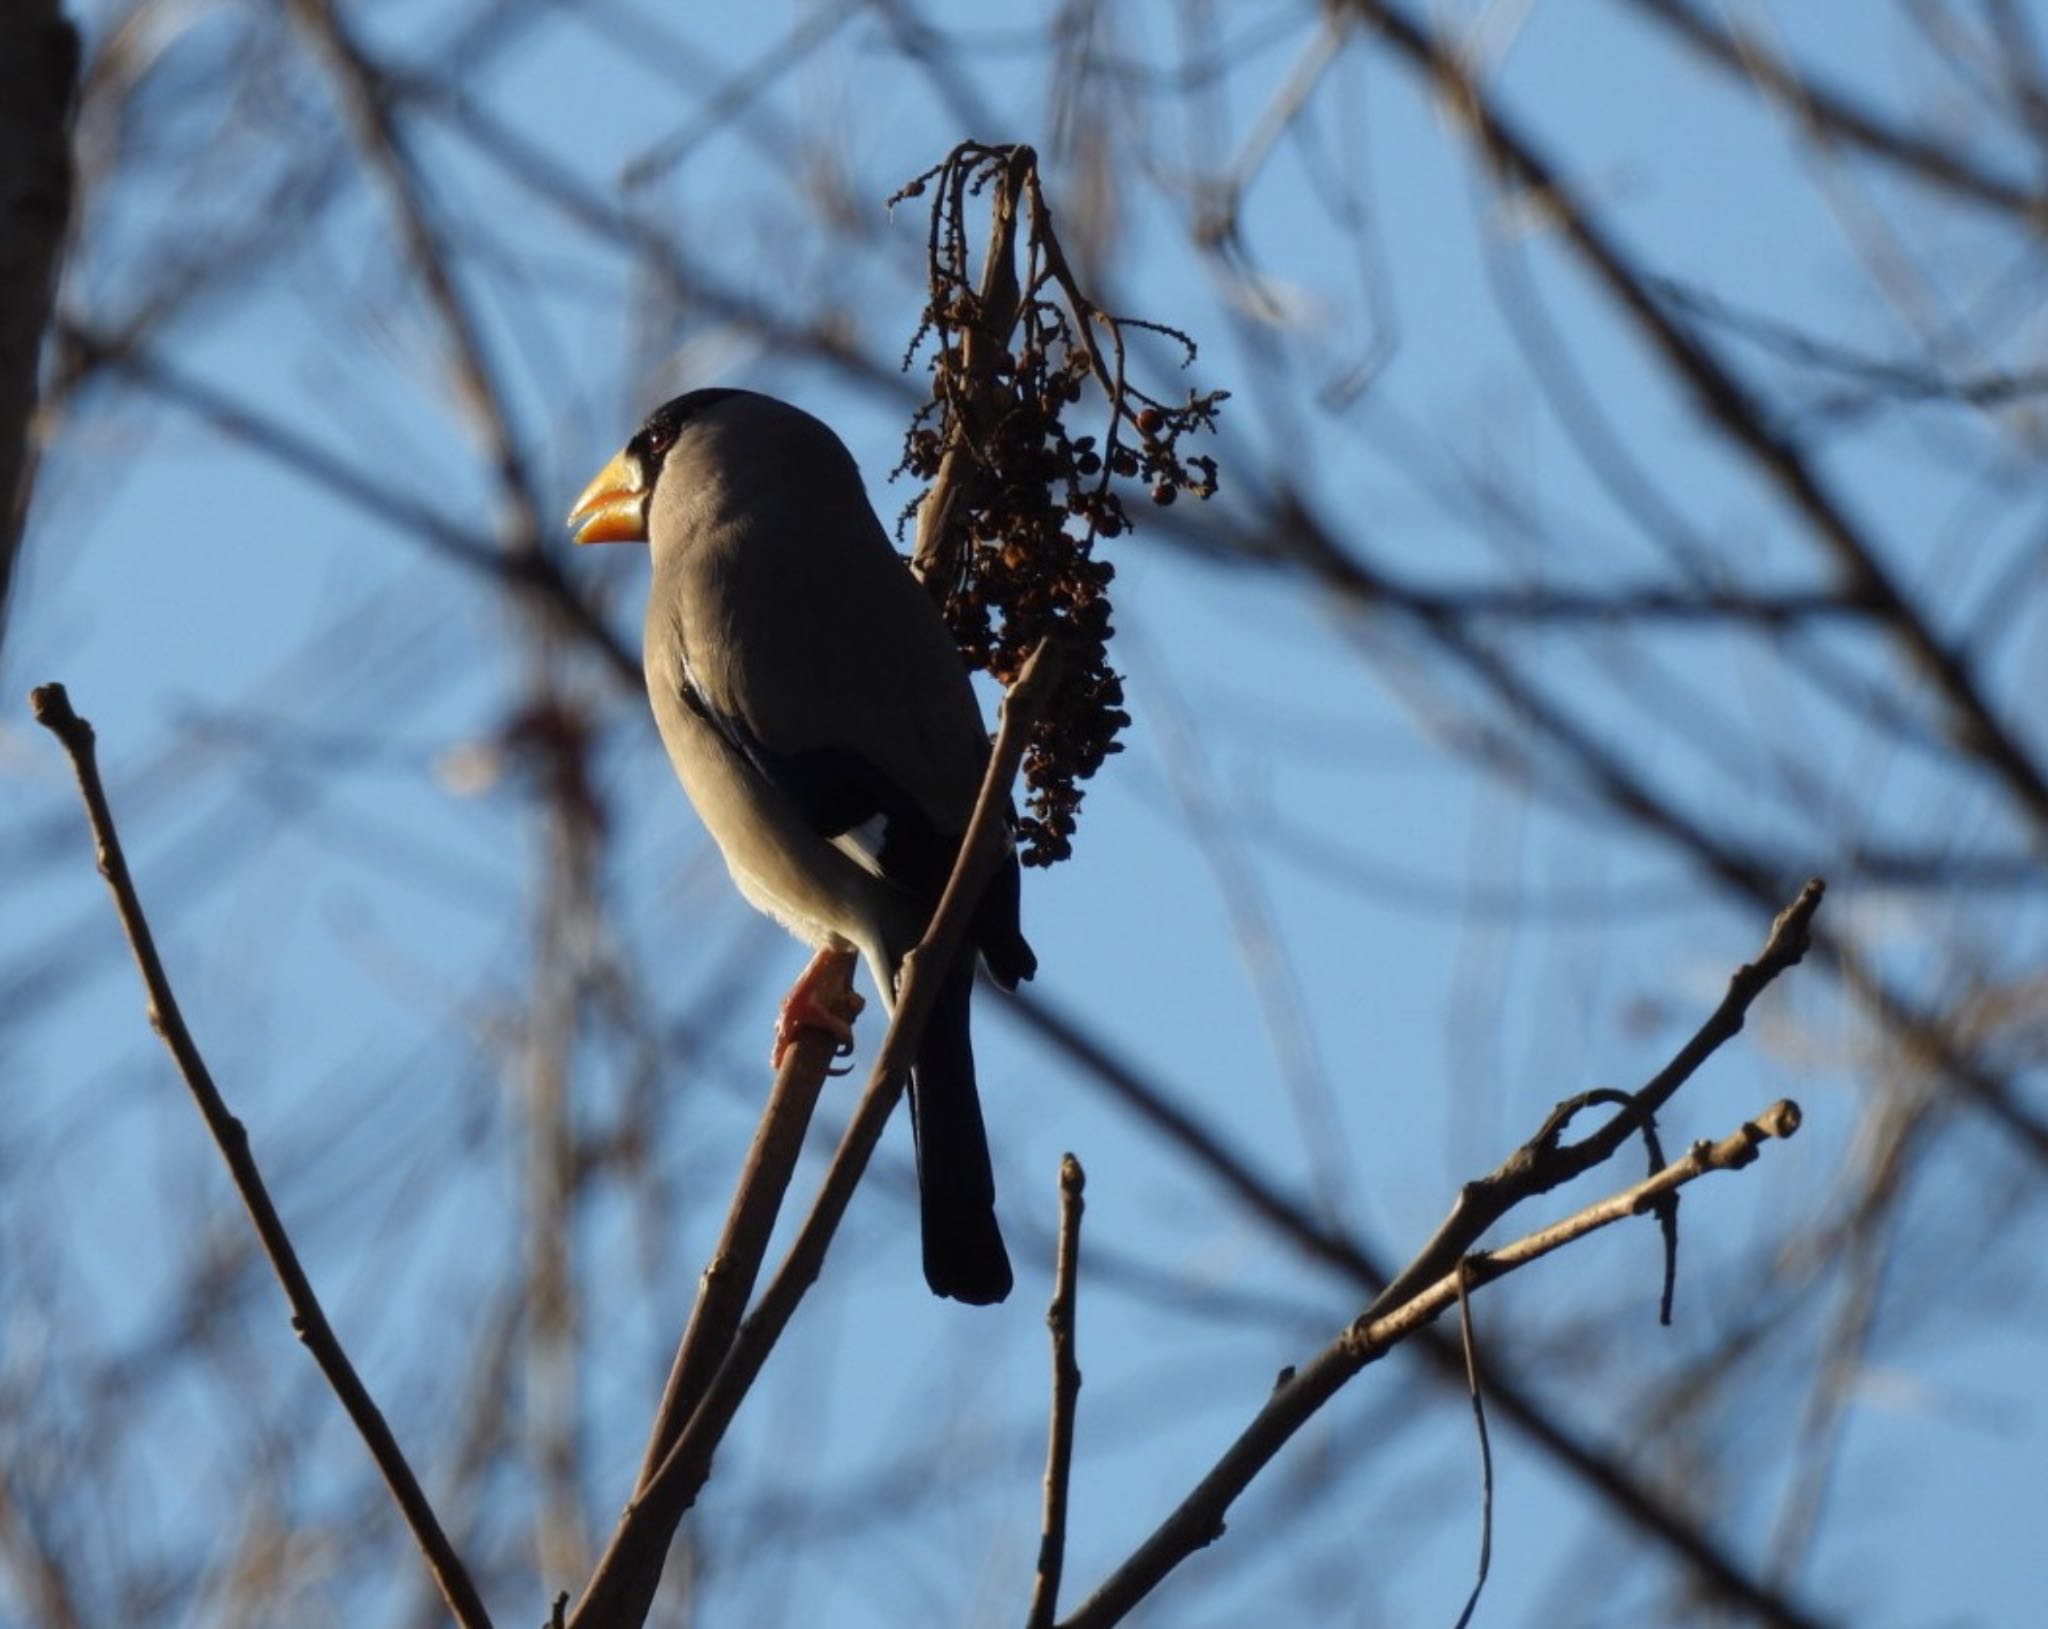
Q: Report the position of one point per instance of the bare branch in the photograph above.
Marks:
(1727, 401)
(1198, 1521)
(1066, 1395)
(1645, 1507)
(534, 573)
(52, 709)
(728, 1278)
(365, 101)
(628, 1571)
(38, 79)
(1544, 1163)
(1469, 1340)
(1619, 783)
(1835, 117)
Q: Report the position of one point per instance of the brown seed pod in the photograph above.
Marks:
(1014, 562)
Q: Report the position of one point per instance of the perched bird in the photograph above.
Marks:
(821, 719)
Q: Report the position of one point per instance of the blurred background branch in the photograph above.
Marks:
(1631, 505)
(38, 81)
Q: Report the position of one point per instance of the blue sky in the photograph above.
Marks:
(286, 688)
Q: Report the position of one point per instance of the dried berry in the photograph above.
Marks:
(1017, 562)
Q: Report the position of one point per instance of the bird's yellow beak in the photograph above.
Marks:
(613, 508)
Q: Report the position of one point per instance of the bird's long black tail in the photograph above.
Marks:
(963, 1249)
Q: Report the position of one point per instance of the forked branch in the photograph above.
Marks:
(1447, 1267)
(1198, 1520)
(623, 1585)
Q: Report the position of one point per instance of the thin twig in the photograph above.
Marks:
(1647, 1509)
(38, 90)
(52, 709)
(1198, 1520)
(631, 1565)
(1544, 1163)
(1469, 1341)
(938, 552)
(1066, 1395)
(728, 1278)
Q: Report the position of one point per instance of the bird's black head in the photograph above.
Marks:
(613, 508)
(658, 431)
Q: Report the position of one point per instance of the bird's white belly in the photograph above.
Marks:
(813, 930)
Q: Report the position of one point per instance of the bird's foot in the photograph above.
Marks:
(822, 998)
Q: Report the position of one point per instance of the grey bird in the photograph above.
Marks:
(821, 719)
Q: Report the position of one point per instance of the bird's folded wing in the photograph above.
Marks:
(824, 665)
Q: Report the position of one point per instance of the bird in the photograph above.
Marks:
(820, 716)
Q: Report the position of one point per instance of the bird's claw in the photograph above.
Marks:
(822, 998)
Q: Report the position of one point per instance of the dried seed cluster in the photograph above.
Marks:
(1026, 498)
